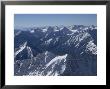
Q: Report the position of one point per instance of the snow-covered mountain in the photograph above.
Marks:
(56, 51)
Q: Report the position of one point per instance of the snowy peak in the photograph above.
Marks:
(53, 68)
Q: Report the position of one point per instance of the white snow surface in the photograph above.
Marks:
(32, 31)
(91, 47)
(44, 30)
(20, 49)
(57, 58)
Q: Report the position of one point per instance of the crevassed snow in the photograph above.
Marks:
(21, 48)
(57, 58)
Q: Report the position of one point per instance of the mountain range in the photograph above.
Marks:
(56, 51)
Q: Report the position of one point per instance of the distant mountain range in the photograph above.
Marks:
(56, 51)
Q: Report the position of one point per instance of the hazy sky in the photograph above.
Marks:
(36, 20)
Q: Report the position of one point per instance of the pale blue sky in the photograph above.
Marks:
(36, 20)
